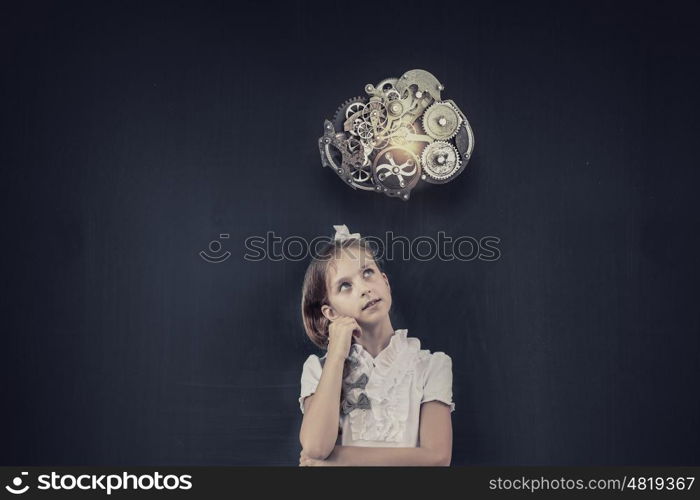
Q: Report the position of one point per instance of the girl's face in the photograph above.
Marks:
(356, 288)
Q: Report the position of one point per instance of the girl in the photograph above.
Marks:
(374, 398)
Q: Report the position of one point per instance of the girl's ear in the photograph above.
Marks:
(328, 312)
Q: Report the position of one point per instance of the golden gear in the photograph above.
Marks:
(441, 121)
(440, 161)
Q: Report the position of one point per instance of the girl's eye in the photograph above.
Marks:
(344, 283)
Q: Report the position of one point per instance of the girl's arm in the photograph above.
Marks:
(435, 445)
(319, 427)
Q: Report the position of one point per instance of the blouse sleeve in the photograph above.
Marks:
(438, 380)
(310, 376)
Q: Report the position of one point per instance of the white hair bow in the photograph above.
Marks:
(342, 233)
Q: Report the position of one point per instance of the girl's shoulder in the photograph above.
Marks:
(412, 356)
(426, 354)
(429, 363)
(314, 359)
(434, 357)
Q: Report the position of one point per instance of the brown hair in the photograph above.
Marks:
(314, 292)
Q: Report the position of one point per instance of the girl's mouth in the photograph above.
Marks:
(371, 303)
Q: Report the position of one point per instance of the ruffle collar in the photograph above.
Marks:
(398, 343)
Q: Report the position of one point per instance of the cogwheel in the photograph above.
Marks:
(376, 114)
(395, 107)
(362, 177)
(339, 116)
(441, 121)
(440, 161)
(392, 95)
(363, 130)
(396, 169)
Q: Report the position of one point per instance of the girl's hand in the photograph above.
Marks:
(340, 335)
(306, 461)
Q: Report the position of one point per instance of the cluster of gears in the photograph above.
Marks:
(402, 132)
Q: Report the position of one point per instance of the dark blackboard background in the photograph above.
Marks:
(134, 135)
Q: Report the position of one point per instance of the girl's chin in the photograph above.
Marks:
(372, 317)
(370, 323)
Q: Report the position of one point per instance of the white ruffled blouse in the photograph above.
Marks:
(381, 397)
